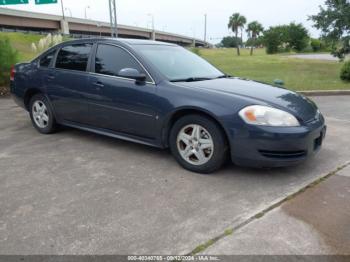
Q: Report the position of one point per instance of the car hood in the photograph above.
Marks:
(281, 98)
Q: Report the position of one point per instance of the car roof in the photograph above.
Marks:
(128, 41)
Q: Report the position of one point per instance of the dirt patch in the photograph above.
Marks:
(327, 209)
(4, 90)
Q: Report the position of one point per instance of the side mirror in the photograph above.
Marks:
(132, 74)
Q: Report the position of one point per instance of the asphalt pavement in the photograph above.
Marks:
(326, 57)
(75, 192)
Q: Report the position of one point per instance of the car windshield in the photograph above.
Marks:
(179, 64)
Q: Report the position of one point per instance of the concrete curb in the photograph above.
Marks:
(325, 93)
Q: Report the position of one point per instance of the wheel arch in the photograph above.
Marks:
(181, 112)
(32, 92)
(29, 94)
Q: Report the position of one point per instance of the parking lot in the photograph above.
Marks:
(75, 192)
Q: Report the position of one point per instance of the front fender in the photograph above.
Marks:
(177, 113)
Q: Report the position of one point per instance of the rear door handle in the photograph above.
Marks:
(98, 85)
(51, 77)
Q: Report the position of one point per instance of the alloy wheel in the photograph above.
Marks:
(40, 114)
(195, 144)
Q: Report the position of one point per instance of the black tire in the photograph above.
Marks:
(219, 154)
(50, 126)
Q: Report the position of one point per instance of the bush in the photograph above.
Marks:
(315, 45)
(8, 57)
(195, 50)
(231, 41)
(342, 49)
(345, 71)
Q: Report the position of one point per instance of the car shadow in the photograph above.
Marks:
(228, 168)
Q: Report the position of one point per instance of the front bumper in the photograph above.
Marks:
(259, 146)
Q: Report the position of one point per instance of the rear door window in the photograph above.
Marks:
(46, 60)
(74, 57)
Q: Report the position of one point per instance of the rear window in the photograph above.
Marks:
(46, 60)
(74, 57)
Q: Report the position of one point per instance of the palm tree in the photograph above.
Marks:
(254, 29)
(235, 23)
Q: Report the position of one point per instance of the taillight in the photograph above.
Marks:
(12, 73)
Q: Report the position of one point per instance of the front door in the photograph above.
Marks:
(121, 104)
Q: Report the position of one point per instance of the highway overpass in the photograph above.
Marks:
(15, 20)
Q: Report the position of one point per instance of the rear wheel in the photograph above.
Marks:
(198, 144)
(41, 114)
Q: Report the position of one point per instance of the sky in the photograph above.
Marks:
(186, 17)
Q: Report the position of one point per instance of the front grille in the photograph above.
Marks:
(283, 154)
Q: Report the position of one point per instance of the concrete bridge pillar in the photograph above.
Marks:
(194, 42)
(153, 35)
(64, 27)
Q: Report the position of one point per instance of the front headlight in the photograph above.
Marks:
(267, 116)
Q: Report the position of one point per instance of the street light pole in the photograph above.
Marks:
(205, 28)
(70, 11)
(87, 7)
(153, 29)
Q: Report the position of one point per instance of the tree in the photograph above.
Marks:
(274, 38)
(286, 37)
(235, 23)
(259, 41)
(230, 41)
(334, 22)
(297, 37)
(254, 30)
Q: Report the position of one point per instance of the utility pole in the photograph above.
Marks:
(62, 10)
(205, 27)
(64, 23)
(113, 18)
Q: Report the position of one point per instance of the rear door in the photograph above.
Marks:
(117, 103)
(45, 69)
(67, 83)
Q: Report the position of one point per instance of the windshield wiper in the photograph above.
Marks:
(223, 76)
(194, 79)
(191, 79)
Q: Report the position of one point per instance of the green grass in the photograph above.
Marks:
(22, 43)
(298, 74)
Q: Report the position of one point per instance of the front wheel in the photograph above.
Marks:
(41, 114)
(198, 144)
